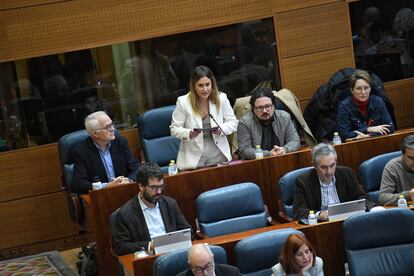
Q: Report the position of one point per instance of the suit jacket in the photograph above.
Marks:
(219, 269)
(308, 191)
(88, 163)
(130, 232)
(184, 120)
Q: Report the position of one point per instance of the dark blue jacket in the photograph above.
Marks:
(349, 119)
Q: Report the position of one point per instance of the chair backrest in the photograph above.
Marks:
(156, 140)
(380, 243)
(370, 173)
(65, 146)
(112, 221)
(257, 254)
(175, 262)
(231, 209)
(287, 189)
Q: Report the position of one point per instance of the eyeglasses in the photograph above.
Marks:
(198, 269)
(109, 127)
(155, 188)
(263, 107)
(359, 89)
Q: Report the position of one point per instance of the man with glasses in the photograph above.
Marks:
(326, 184)
(201, 262)
(266, 126)
(147, 215)
(103, 156)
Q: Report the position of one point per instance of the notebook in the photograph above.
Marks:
(172, 241)
(344, 210)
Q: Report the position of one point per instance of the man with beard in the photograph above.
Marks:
(147, 215)
(266, 126)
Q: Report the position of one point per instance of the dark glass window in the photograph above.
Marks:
(46, 97)
(383, 37)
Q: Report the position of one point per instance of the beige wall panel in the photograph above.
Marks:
(34, 219)
(29, 172)
(312, 30)
(401, 95)
(304, 74)
(68, 26)
(286, 5)
(16, 4)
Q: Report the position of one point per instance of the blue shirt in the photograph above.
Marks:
(107, 162)
(153, 218)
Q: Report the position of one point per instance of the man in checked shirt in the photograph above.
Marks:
(324, 185)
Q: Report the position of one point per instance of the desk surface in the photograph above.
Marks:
(326, 238)
(186, 186)
(144, 265)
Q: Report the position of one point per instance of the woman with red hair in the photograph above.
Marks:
(298, 257)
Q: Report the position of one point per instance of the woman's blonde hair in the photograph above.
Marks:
(198, 73)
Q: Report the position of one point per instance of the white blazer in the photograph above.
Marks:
(184, 120)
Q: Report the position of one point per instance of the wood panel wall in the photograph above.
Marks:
(34, 214)
(313, 38)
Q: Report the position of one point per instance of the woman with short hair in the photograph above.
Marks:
(363, 115)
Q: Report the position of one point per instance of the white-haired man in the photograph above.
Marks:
(103, 156)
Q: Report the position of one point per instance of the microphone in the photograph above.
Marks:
(228, 140)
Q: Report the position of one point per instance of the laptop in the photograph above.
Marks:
(344, 210)
(168, 242)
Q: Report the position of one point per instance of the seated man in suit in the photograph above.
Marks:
(147, 215)
(398, 176)
(102, 156)
(325, 185)
(201, 262)
(266, 126)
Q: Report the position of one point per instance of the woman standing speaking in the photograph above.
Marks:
(201, 120)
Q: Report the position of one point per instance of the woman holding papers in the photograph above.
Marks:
(201, 120)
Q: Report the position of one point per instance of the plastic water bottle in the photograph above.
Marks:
(258, 153)
(96, 184)
(402, 203)
(336, 139)
(172, 168)
(312, 219)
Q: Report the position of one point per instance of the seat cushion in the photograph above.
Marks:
(231, 209)
(370, 171)
(287, 189)
(260, 252)
(161, 150)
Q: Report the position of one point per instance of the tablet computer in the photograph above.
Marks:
(344, 210)
(172, 241)
(206, 129)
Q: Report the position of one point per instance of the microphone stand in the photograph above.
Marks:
(236, 150)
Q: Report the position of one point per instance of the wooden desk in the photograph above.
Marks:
(326, 238)
(186, 186)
